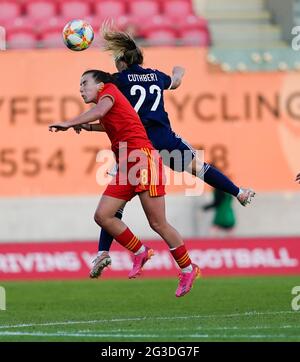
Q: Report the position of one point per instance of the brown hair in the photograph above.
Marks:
(100, 76)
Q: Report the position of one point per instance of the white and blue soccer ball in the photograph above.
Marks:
(78, 35)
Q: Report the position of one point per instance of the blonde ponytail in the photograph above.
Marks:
(121, 45)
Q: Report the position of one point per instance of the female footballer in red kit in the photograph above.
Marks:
(123, 126)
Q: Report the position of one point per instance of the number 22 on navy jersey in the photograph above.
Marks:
(144, 89)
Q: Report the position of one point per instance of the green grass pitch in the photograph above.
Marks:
(217, 309)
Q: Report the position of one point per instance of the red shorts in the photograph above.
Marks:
(138, 171)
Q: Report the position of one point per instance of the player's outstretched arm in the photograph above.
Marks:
(99, 111)
(95, 127)
(177, 75)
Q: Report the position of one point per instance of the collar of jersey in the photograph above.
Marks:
(135, 67)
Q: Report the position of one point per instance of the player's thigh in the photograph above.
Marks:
(108, 206)
(181, 153)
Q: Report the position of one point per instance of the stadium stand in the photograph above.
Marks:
(21, 39)
(161, 37)
(247, 124)
(249, 34)
(8, 11)
(140, 10)
(74, 9)
(38, 11)
(194, 37)
(109, 8)
(243, 35)
(153, 22)
(177, 9)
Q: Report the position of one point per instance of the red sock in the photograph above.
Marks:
(129, 241)
(181, 256)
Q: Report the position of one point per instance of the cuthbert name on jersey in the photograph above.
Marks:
(151, 77)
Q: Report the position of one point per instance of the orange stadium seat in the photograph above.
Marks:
(40, 10)
(9, 10)
(74, 9)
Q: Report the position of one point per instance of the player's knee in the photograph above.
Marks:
(157, 225)
(100, 218)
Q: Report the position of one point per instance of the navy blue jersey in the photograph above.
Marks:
(144, 89)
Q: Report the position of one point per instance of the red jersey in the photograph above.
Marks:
(122, 123)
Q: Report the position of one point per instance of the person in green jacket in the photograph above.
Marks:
(224, 218)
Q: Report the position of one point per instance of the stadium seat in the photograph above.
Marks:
(143, 9)
(57, 23)
(161, 37)
(52, 40)
(156, 22)
(40, 10)
(191, 22)
(9, 10)
(21, 40)
(93, 21)
(177, 9)
(21, 23)
(50, 32)
(54, 23)
(123, 22)
(194, 37)
(74, 9)
(109, 9)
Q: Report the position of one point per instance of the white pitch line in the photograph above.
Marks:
(138, 319)
(68, 334)
(233, 328)
(243, 328)
(243, 336)
(124, 336)
(72, 322)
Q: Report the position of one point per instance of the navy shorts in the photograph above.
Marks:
(175, 152)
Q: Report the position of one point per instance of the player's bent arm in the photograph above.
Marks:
(177, 75)
(99, 111)
(96, 127)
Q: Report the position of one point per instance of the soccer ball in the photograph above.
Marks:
(78, 35)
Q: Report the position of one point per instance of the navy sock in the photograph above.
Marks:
(217, 180)
(105, 239)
